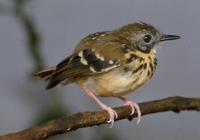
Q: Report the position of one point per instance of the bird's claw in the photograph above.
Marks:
(134, 107)
(112, 115)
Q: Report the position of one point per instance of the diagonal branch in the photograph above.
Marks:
(86, 119)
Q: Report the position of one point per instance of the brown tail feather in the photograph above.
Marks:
(46, 72)
(52, 77)
(53, 82)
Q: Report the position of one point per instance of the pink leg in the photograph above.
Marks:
(110, 111)
(134, 106)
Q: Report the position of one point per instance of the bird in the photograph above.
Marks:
(111, 64)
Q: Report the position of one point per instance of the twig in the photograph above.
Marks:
(86, 119)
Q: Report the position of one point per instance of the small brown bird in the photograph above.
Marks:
(111, 63)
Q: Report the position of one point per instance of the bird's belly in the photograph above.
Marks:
(116, 83)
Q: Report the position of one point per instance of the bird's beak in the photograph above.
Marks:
(169, 37)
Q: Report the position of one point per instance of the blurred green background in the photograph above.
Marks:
(39, 33)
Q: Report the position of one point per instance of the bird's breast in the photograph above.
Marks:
(122, 80)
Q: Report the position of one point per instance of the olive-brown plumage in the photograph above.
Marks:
(111, 63)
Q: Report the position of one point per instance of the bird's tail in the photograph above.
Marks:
(48, 75)
(46, 72)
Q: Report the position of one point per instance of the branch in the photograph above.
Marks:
(87, 119)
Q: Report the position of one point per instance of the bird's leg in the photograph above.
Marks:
(134, 106)
(111, 112)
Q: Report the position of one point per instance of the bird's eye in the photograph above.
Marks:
(147, 38)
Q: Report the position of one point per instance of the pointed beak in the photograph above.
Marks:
(169, 37)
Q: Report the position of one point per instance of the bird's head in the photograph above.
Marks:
(144, 37)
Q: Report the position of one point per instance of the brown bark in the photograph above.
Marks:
(87, 119)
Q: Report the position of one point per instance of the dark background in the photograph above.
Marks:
(58, 27)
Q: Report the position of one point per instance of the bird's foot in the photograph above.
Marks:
(112, 114)
(134, 107)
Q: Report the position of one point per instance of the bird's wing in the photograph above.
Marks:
(86, 62)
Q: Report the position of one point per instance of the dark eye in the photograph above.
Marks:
(147, 38)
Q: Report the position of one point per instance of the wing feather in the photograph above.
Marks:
(83, 63)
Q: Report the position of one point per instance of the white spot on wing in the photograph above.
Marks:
(102, 58)
(110, 62)
(83, 61)
(109, 68)
(99, 57)
(92, 69)
(93, 38)
(80, 54)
